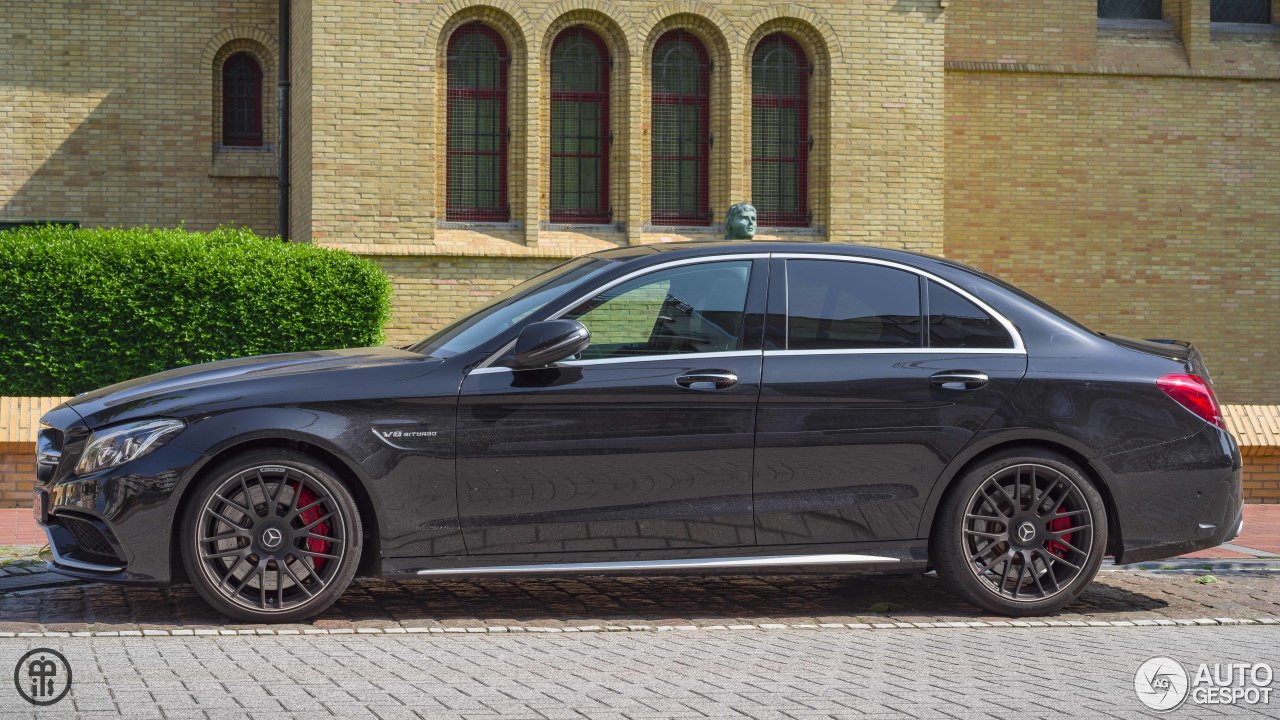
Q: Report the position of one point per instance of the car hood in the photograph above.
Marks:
(243, 381)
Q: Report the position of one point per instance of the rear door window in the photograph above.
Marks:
(838, 305)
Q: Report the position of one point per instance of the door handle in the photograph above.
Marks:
(959, 379)
(707, 380)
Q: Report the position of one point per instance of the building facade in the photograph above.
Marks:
(1116, 157)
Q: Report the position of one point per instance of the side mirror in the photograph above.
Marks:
(543, 343)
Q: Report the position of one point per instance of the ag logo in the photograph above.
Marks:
(1161, 684)
(43, 676)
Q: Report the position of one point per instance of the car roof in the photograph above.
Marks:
(666, 251)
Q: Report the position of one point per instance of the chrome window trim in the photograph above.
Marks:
(639, 358)
(897, 351)
(488, 362)
(1019, 348)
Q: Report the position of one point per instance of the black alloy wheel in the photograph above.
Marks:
(1021, 535)
(272, 536)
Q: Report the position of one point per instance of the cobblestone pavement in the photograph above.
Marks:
(970, 673)
(601, 601)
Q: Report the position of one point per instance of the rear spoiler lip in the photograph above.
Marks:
(1190, 357)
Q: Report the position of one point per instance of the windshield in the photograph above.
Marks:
(509, 308)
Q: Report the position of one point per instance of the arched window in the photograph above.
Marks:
(681, 130)
(780, 132)
(579, 128)
(241, 100)
(477, 125)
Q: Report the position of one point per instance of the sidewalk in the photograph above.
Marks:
(1261, 536)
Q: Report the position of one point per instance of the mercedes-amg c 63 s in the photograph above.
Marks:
(757, 407)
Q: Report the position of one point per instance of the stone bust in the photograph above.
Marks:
(740, 223)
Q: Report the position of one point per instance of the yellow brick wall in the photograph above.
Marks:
(300, 159)
(1137, 189)
(17, 473)
(429, 292)
(1261, 476)
(107, 113)
(377, 130)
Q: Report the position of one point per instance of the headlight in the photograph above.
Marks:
(118, 445)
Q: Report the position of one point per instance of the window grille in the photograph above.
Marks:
(681, 130)
(579, 128)
(1131, 9)
(477, 133)
(1241, 11)
(241, 100)
(780, 139)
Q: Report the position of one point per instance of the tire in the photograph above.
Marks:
(271, 536)
(1022, 534)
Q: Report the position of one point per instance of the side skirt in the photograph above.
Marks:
(895, 557)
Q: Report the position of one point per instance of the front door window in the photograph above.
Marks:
(686, 309)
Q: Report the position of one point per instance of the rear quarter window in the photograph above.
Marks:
(955, 322)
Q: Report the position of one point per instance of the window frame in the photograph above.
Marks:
(1159, 15)
(768, 298)
(602, 99)
(702, 101)
(777, 317)
(803, 215)
(1270, 17)
(255, 136)
(746, 337)
(473, 213)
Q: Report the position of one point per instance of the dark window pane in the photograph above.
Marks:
(955, 322)
(690, 309)
(1240, 11)
(1130, 9)
(477, 125)
(848, 305)
(579, 127)
(780, 132)
(681, 135)
(241, 100)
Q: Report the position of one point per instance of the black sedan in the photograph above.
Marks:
(751, 407)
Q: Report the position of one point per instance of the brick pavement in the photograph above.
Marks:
(794, 674)
(622, 602)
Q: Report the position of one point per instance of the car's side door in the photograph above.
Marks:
(643, 442)
(875, 376)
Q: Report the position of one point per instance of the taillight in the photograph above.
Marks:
(1194, 394)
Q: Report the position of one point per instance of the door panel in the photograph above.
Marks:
(860, 407)
(849, 446)
(643, 442)
(607, 457)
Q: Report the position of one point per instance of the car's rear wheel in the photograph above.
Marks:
(1023, 534)
(271, 536)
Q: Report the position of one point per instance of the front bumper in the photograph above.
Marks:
(116, 525)
(1178, 497)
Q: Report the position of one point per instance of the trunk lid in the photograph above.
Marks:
(1181, 351)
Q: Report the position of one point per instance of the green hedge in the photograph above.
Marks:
(80, 309)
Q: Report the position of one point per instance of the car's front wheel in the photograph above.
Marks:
(1023, 534)
(271, 536)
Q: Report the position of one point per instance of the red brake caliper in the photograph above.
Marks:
(305, 498)
(1059, 525)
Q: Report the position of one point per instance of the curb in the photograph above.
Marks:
(518, 629)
